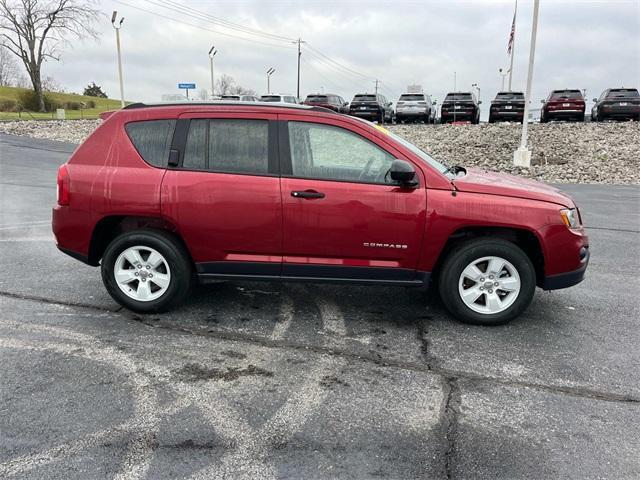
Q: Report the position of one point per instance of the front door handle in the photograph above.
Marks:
(307, 194)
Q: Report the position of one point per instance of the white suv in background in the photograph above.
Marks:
(282, 98)
(414, 107)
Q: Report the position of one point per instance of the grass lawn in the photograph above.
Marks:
(102, 104)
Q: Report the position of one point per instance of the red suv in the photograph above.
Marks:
(563, 105)
(163, 195)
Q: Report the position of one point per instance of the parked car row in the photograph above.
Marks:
(566, 104)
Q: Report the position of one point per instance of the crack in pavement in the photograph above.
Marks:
(428, 367)
(449, 422)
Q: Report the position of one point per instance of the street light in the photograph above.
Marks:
(117, 26)
(503, 74)
(270, 72)
(212, 53)
(475, 85)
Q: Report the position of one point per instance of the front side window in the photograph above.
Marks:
(152, 139)
(228, 146)
(325, 152)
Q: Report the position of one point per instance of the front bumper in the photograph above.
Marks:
(567, 279)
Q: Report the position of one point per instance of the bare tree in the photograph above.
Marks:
(203, 94)
(8, 68)
(35, 30)
(224, 84)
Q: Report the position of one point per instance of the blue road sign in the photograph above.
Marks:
(187, 86)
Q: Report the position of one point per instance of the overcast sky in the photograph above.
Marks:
(584, 44)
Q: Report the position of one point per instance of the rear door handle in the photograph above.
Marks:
(307, 194)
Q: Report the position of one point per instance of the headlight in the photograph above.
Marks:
(570, 217)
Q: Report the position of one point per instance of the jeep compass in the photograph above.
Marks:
(161, 196)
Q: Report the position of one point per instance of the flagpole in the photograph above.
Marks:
(522, 156)
(513, 44)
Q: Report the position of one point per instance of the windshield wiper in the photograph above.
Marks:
(455, 169)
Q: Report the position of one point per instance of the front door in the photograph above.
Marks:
(224, 197)
(343, 217)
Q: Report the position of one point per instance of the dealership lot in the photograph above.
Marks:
(251, 380)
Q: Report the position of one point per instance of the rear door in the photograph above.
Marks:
(342, 217)
(225, 194)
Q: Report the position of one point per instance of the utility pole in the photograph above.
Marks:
(522, 156)
(270, 72)
(377, 81)
(513, 43)
(212, 53)
(475, 85)
(117, 28)
(502, 74)
(299, 42)
(455, 97)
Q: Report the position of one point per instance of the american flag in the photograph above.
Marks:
(513, 32)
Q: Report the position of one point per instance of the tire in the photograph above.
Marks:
(175, 268)
(580, 118)
(517, 265)
(491, 120)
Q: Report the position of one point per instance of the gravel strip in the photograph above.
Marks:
(562, 152)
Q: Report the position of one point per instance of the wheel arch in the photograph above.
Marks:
(524, 238)
(109, 227)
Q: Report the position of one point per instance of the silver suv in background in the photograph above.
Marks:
(415, 107)
(282, 98)
(240, 98)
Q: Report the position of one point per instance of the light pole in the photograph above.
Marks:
(522, 156)
(475, 85)
(117, 26)
(212, 53)
(270, 72)
(503, 74)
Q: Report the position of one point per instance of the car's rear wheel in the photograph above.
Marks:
(146, 270)
(487, 281)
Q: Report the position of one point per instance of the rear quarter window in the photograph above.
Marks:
(152, 139)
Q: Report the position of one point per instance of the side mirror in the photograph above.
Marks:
(403, 172)
(595, 100)
(479, 102)
(541, 101)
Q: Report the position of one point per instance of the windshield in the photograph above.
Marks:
(457, 96)
(364, 98)
(317, 99)
(411, 98)
(631, 92)
(510, 96)
(422, 154)
(270, 98)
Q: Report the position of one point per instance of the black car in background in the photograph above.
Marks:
(372, 106)
(328, 100)
(460, 106)
(507, 106)
(563, 105)
(617, 103)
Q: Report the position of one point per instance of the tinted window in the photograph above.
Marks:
(152, 139)
(240, 146)
(510, 96)
(228, 146)
(332, 153)
(412, 98)
(317, 98)
(290, 99)
(567, 94)
(195, 153)
(364, 98)
(623, 92)
(270, 98)
(458, 96)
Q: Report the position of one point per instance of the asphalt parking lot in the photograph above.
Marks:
(257, 380)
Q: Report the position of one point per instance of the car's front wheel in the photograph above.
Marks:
(487, 281)
(146, 270)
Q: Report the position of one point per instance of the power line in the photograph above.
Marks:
(199, 14)
(324, 63)
(339, 65)
(261, 42)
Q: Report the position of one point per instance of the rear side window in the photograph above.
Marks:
(228, 146)
(152, 139)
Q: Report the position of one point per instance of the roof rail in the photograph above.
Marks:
(133, 106)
